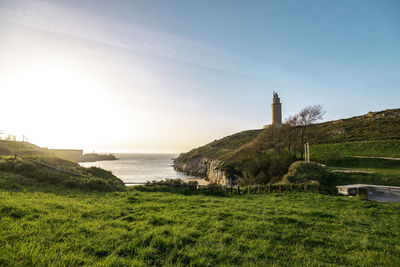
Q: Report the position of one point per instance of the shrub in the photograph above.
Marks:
(101, 173)
(260, 168)
(306, 172)
(97, 184)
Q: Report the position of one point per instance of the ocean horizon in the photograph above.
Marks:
(139, 168)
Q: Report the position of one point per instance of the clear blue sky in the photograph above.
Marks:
(195, 71)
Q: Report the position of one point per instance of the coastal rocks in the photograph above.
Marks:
(201, 167)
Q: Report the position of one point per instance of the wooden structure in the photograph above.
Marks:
(371, 192)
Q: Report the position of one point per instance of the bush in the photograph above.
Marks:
(258, 169)
(101, 173)
(306, 172)
(98, 185)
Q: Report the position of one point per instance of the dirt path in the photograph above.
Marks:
(366, 157)
(351, 171)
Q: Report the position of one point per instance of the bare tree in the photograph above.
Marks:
(289, 132)
(307, 116)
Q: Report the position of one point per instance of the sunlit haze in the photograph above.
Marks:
(167, 76)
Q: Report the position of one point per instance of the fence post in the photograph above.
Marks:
(269, 188)
(305, 187)
(280, 188)
(291, 187)
(363, 193)
(248, 189)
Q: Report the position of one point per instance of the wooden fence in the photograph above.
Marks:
(251, 189)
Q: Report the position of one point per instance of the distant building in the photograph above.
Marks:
(276, 110)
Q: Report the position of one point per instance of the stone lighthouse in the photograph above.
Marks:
(276, 110)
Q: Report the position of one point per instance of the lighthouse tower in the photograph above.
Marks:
(276, 110)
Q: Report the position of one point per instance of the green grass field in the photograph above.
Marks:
(384, 148)
(48, 225)
(372, 171)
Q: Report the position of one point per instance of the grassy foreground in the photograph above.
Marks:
(53, 226)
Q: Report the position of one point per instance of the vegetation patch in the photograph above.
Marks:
(302, 172)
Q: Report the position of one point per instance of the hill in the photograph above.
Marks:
(220, 149)
(372, 134)
(9, 147)
(381, 125)
(33, 172)
(12, 148)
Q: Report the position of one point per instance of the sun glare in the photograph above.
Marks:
(51, 102)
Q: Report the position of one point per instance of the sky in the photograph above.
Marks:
(167, 76)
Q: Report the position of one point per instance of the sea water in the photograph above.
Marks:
(140, 168)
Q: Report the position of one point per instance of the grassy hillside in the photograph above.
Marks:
(41, 171)
(50, 226)
(8, 147)
(219, 149)
(380, 148)
(383, 126)
(264, 156)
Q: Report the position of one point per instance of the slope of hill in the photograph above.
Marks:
(17, 172)
(8, 147)
(12, 148)
(367, 135)
(381, 125)
(219, 149)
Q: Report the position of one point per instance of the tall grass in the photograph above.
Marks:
(54, 226)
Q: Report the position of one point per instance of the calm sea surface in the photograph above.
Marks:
(140, 168)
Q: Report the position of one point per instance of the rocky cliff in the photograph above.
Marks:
(201, 167)
(205, 161)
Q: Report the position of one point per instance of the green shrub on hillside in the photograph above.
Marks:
(258, 168)
(306, 172)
